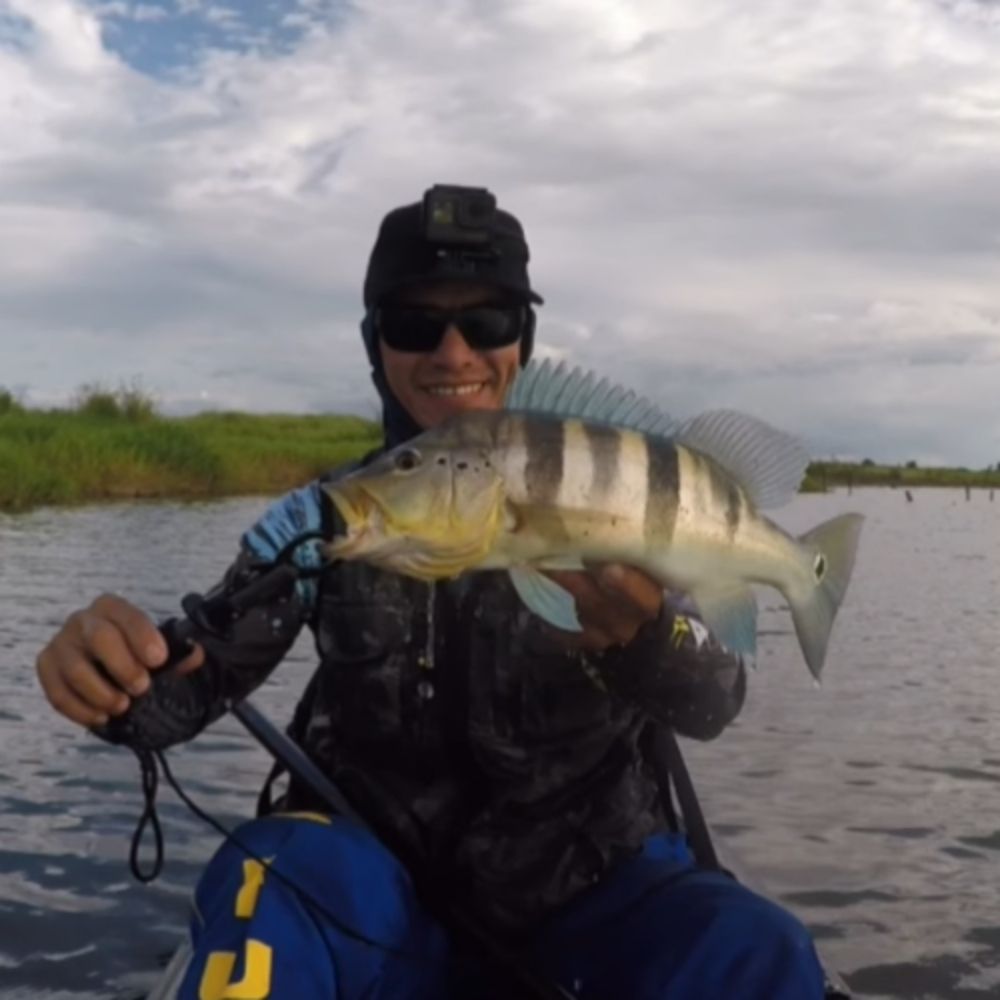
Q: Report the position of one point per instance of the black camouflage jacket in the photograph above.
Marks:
(455, 721)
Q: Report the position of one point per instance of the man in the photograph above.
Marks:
(500, 758)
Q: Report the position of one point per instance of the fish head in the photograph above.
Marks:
(429, 508)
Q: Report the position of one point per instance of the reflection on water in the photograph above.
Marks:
(868, 806)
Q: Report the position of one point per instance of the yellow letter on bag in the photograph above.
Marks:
(256, 982)
(253, 879)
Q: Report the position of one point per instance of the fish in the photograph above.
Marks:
(576, 470)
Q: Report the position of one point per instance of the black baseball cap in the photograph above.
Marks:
(454, 234)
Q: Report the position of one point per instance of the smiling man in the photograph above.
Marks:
(500, 759)
(455, 375)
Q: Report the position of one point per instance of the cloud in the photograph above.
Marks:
(782, 207)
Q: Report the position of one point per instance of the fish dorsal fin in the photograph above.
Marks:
(573, 392)
(767, 463)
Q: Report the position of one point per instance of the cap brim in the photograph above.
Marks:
(455, 279)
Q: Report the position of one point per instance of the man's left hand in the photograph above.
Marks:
(613, 602)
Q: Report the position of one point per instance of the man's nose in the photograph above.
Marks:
(453, 348)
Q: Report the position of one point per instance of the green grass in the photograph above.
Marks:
(826, 475)
(95, 453)
(113, 445)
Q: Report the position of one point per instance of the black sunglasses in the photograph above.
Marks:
(420, 329)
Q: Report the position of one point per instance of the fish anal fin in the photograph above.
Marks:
(730, 614)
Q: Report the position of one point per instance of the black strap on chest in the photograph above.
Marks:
(664, 756)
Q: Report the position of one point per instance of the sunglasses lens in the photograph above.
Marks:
(411, 329)
(483, 327)
(490, 327)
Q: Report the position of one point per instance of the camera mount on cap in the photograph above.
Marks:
(456, 216)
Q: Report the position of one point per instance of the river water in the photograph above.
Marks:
(870, 806)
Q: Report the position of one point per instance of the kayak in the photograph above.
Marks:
(169, 983)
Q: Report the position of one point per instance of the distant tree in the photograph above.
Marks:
(911, 464)
(868, 461)
(10, 402)
(128, 402)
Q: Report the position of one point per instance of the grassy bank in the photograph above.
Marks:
(822, 476)
(114, 445)
(68, 457)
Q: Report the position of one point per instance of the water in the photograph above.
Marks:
(869, 806)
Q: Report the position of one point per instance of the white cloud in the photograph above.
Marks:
(66, 36)
(784, 207)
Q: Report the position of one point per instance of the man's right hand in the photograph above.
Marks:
(117, 635)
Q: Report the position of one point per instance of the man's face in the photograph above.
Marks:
(454, 377)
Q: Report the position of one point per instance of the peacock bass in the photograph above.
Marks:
(574, 470)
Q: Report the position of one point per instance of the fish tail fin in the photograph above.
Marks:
(830, 548)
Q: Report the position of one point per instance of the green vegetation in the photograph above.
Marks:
(114, 445)
(128, 402)
(826, 475)
(9, 403)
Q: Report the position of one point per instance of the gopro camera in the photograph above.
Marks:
(459, 216)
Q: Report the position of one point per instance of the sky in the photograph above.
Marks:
(791, 209)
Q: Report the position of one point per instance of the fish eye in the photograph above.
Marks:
(407, 459)
(819, 567)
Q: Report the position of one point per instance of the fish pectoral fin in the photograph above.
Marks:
(545, 598)
(731, 616)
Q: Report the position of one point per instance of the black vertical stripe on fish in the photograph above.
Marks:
(726, 496)
(543, 472)
(662, 489)
(605, 445)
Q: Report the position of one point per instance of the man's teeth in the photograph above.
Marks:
(455, 390)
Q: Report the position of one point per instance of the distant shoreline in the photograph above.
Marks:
(823, 476)
(66, 458)
(72, 457)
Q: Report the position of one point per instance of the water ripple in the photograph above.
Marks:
(865, 806)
